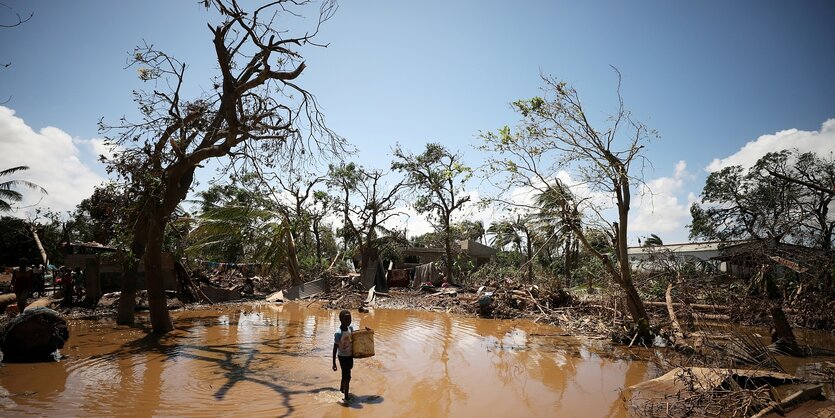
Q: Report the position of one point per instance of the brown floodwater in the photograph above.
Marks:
(275, 360)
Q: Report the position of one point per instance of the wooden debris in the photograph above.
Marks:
(791, 401)
(39, 303)
(683, 379)
(6, 300)
(694, 306)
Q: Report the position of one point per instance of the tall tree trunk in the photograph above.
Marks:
(530, 261)
(38, 243)
(448, 250)
(127, 298)
(157, 302)
(318, 243)
(130, 266)
(292, 255)
(634, 302)
(345, 224)
(92, 282)
(567, 262)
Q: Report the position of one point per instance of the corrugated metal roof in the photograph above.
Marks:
(686, 247)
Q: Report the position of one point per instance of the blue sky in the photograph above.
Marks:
(710, 76)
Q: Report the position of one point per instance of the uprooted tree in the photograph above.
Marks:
(555, 134)
(253, 98)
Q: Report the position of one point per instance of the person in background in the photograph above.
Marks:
(22, 283)
(67, 287)
(78, 281)
(38, 285)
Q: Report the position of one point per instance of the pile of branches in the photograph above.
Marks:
(509, 299)
(234, 279)
(725, 401)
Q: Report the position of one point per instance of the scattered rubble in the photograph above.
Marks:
(703, 391)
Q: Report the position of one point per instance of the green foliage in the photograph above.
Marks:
(101, 216)
(653, 241)
(507, 232)
(509, 259)
(473, 230)
(16, 241)
(236, 225)
(501, 268)
(8, 194)
(771, 201)
(437, 176)
(589, 270)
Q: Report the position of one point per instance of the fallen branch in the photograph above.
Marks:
(695, 306)
(678, 333)
(792, 400)
(712, 317)
(334, 260)
(536, 303)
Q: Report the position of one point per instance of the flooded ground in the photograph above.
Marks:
(266, 360)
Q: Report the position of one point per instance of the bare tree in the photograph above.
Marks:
(254, 99)
(555, 134)
(14, 22)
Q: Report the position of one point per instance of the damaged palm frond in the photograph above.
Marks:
(749, 349)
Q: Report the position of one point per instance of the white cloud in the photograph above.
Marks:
(53, 159)
(415, 223)
(524, 197)
(99, 147)
(821, 142)
(658, 209)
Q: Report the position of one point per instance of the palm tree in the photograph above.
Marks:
(653, 241)
(473, 230)
(248, 233)
(559, 215)
(504, 233)
(9, 195)
(515, 231)
(477, 232)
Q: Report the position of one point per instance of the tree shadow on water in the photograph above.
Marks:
(227, 358)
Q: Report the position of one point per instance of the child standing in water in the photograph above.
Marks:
(343, 350)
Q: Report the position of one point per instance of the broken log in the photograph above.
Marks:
(814, 392)
(33, 336)
(678, 333)
(695, 306)
(6, 300)
(338, 253)
(39, 303)
(44, 257)
(711, 317)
